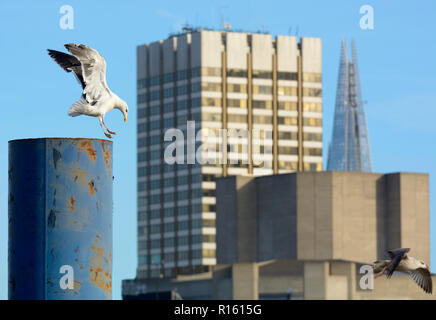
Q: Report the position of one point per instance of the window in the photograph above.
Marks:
(154, 80)
(287, 75)
(287, 91)
(142, 201)
(211, 72)
(287, 121)
(237, 118)
(142, 113)
(312, 122)
(142, 127)
(309, 136)
(182, 75)
(284, 135)
(142, 156)
(209, 253)
(169, 92)
(312, 107)
(209, 223)
(206, 116)
(169, 242)
(259, 89)
(287, 105)
(259, 74)
(288, 165)
(312, 152)
(141, 83)
(312, 166)
(237, 73)
(208, 86)
(183, 89)
(168, 107)
(312, 77)
(237, 103)
(288, 150)
(262, 104)
(211, 102)
(233, 87)
(209, 238)
(154, 95)
(142, 98)
(169, 197)
(155, 169)
(312, 92)
(262, 119)
(142, 186)
(168, 77)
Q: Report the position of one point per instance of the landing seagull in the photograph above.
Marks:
(400, 261)
(89, 68)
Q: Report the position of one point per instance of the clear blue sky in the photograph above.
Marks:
(397, 68)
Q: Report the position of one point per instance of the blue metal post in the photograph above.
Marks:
(60, 219)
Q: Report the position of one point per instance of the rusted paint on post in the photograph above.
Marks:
(60, 219)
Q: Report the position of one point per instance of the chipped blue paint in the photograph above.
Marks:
(60, 214)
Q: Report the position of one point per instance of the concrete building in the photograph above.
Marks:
(268, 87)
(305, 235)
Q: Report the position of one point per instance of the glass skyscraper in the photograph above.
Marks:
(349, 148)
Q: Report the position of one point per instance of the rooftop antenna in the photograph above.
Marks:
(213, 14)
(223, 22)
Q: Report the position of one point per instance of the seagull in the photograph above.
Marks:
(89, 68)
(401, 261)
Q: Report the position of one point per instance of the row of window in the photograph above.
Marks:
(236, 73)
(231, 87)
(169, 257)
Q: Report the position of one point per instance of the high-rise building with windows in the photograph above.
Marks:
(349, 149)
(269, 88)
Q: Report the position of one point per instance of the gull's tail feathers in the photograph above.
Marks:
(79, 107)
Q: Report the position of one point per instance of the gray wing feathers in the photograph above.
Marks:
(93, 70)
(422, 277)
(69, 63)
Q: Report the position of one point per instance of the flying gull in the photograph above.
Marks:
(89, 68)
(399, 260)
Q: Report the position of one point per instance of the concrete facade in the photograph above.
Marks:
(327, 215)
(307, 235)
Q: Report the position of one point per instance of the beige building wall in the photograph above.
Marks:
(287, 52)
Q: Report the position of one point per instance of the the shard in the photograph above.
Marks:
(349, 148)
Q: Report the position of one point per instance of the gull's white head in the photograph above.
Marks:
(422, 264)
(122, 106)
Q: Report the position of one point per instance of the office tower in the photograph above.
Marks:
(267, 91)
(349, 148)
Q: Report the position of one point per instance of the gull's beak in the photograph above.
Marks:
(125, 118)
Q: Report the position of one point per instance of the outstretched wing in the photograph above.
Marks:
(93, 71)
(422, 277)
(69, 63)
(396, 255)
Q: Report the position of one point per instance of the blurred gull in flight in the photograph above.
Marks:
(400, 261)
